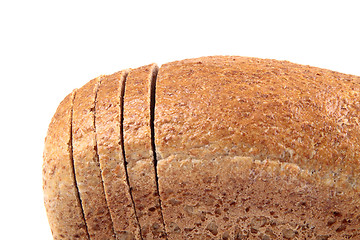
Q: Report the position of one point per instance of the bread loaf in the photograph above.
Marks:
(245, 148)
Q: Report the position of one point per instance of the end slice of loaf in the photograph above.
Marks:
(61, 197)
(108, 125)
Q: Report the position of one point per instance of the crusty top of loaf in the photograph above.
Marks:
(261, 108)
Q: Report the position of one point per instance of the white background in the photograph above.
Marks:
(48, 48)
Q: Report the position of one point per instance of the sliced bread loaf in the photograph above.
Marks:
(246, 148)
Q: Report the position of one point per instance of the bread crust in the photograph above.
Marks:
(86, 163)
(262, 108)
(242, 198)
(138, 151)
(212, 107)
(117, 190)
(61, 197)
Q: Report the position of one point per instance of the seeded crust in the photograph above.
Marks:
(107, 121)
(60, 194)
(211, 110)
(138, 151)
(86, 163)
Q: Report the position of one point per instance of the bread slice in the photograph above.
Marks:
(214, 114)
(61, 197)
(86, 163)
(138, 150)
(117, 190)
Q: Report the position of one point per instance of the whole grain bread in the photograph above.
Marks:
(86, 163)
(214, 111)
(108, 126)
(246, 148)
(138, 150)
(61, 197)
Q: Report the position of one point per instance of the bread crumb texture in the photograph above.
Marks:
(257, 149)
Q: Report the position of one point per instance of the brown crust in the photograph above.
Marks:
(239, 198)
(86, 163)
(262, 108)
(212, 107)
(60, 194)
(111, 160)
(138, 151)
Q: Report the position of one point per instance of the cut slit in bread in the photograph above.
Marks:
(86, 163)
(112, 163)
(139, 152)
